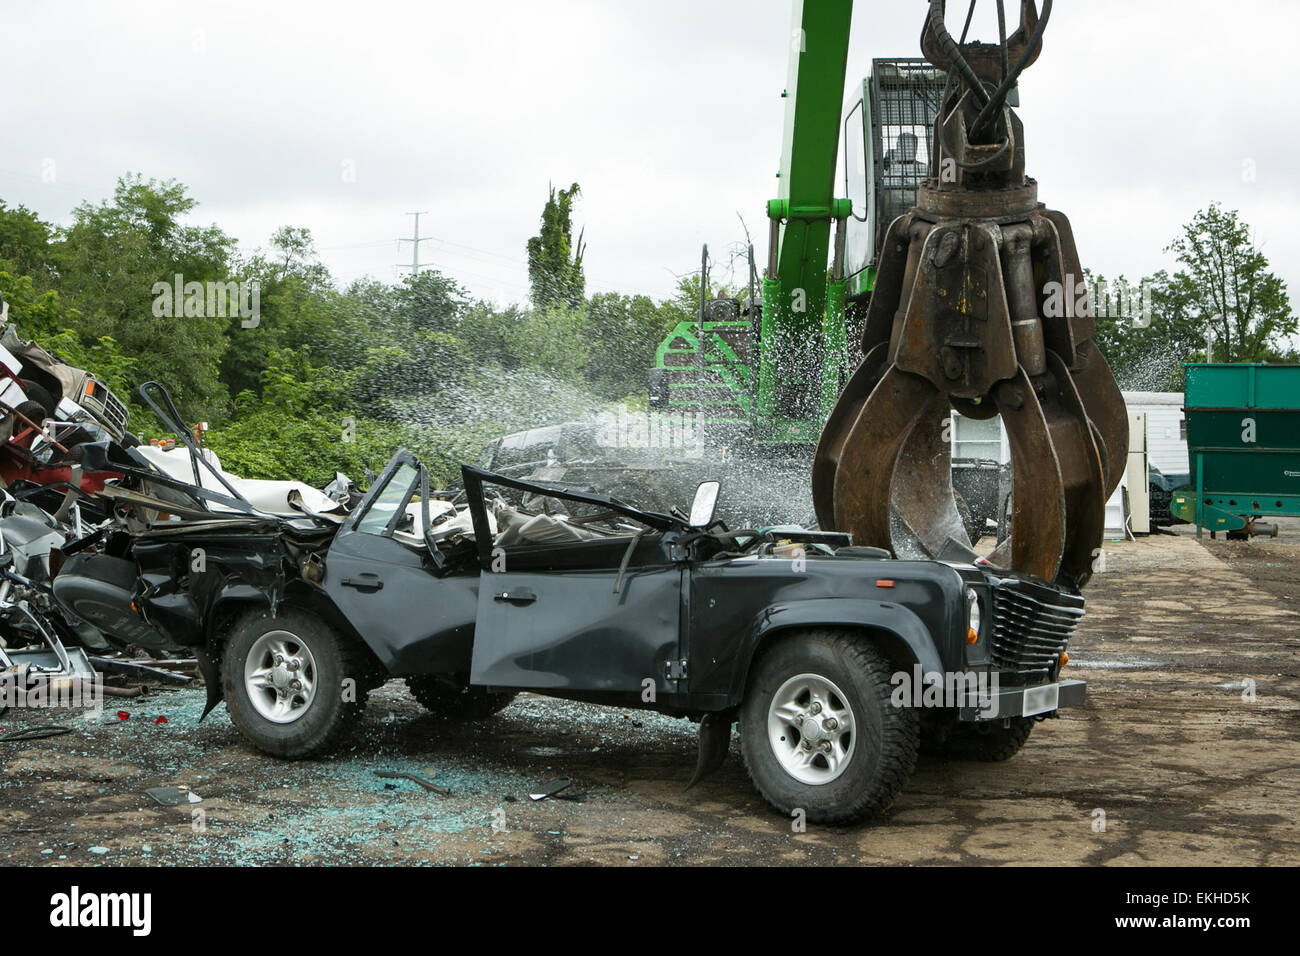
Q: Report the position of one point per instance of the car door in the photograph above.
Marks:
(572, 629)
(596, 615)
(387, 588)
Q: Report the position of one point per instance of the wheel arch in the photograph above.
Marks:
(234, 601)
(899, 633)
(45, 379)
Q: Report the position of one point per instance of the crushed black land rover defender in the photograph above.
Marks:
(834, 661)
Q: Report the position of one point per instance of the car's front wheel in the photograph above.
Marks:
(294, 686)
(819, 732)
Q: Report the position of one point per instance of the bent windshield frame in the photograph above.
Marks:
(476, 478)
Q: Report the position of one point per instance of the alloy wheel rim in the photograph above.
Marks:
(811, 729)
(280, 677)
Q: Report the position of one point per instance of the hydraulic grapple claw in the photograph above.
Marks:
(975, 308)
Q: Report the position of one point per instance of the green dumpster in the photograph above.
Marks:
(1243, 443)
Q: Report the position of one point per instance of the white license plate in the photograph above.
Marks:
(1039, 700)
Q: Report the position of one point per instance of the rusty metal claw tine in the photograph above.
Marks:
(871, 449)
(1084, 479)
(921, 492)
(1038, 490)
(1106, 409)
(899, 257)
(830, 446)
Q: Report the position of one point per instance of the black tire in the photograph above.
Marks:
(883, 754)
(937, 729)
(989, 743)
(334, 708)
(456, 700)
(41, 395)
(31, 410)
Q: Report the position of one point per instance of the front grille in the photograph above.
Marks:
(1032, 624)
(106, 406)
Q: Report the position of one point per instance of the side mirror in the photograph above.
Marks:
(705, 504)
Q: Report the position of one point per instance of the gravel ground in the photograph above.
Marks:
(1170, 753)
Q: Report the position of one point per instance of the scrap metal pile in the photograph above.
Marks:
(49, 412)
(71, 478)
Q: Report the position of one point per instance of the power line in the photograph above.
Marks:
(358, 245)
(502, 258)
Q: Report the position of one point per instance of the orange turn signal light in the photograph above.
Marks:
(1065, 658)
(884, 583)
(971, 635)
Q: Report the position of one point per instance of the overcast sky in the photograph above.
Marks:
(342, 117)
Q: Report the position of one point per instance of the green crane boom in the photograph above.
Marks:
(767, 376)
(776, 372)
(803, 351)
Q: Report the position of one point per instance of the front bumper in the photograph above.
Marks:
(1025, 701)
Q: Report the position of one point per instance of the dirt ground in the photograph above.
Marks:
(1172, 753)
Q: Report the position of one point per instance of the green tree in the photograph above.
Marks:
(1224, 293)
(1146, 352)
(488, 333)
(553, 341)
(46, 319)
(109, 261)
(24, 241)
(624, 332)
(1225, 279)
(293, 253)
(432, 301)
(33, 313)
(554, 261)
(296, 299)
(413, 367)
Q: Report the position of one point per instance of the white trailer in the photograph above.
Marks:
(1166, 429)
(1158, 437)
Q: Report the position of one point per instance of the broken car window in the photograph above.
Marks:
(391, 503)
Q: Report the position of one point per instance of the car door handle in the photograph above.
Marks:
(517, 596)
(364, 582)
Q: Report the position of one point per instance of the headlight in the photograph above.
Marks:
(972, 616)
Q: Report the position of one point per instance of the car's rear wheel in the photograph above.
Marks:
(294, 686)
(819, 732)
(40, 395)
(453, 699)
